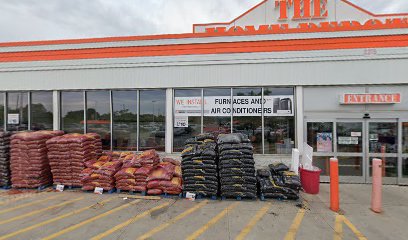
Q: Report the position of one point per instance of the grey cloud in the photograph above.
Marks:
(24, 20)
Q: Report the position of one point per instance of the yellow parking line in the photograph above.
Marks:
(338, 234)
(291, 235)
(72, 228)
(258, 216)
(213, 221)
(338, 228)
(172, 221)
(28, 204)
(38, 211)
(131, 220)
(52, 220)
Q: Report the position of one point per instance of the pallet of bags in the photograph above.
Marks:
(29, 161)
(68, 154)
(102, 172)
(4, 159)
(165, 178)
(126, 177)
(199, 166)
(278, 182)
(236, 166)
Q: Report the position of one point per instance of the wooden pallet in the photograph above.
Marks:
(131, 192)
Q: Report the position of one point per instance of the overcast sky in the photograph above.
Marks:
(23, 20)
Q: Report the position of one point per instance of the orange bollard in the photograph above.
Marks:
(376, 197)
(334, 185)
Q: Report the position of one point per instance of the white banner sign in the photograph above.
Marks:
(243, 106)
(13, 119)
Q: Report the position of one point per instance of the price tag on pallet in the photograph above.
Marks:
(98, 190)
(60, 188)
(190, 196)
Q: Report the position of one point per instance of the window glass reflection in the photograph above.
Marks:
(383, 137)
(2, 111)
(72, 112)
(279, 130)
(187, 109)
(247, 115)
(98, 115)
(17, 111)
(152, 120)
(124, 120)
(41, 111)
(217, 110)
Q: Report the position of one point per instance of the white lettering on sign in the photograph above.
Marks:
(385, 98)
(242, 106)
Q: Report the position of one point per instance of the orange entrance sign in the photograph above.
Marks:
(387, 98)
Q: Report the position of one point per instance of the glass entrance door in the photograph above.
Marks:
(382, 141)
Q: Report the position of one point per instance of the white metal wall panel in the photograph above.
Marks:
(393, 71)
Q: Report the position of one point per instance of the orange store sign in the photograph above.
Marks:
(302, 9)
(385, 98)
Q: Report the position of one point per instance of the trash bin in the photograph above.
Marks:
(310, 180)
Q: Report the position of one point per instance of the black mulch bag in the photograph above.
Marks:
(189, 151)
(198, 182)
(291, 180)
(199, 187)
(239, 179)
(205, 136)
(204, 193)
(235, 165)
(236, 156)
(239, 194)
(190, 175)
(229, 175)
(278, 167)
(237, 171)
(264, 173)
(201, 178)
(232, 152)
(198, 171)
(204, 160)
(232, 138)
(198, 166)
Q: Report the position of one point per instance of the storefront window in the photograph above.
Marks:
(247, 115)
(2, 111)
(320, 136)
(349, 137)
(279, 130)
(124, 120)
(187, 116)
(98, 115)
(152, 119)
(72, 112)
(217, 111)
(383, 137)
(41, 111)
(17, 111)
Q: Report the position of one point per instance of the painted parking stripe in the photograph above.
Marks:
(172, 221)
(129, 221)
(92, 219)
(338, 228)
(53, 220)
(38, 211)
(291, 235)
(23, 196)
(29, 204)
(258, 216)
(213, 221)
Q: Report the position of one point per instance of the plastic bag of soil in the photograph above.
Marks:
(232, 138)
(264, 173)
(278, 167)
(291, 180)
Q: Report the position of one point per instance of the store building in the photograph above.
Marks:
(324, 72)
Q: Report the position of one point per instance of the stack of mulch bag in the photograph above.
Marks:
(236, 166)
(4, 159)
(278, 182)
(200, 166)
(29, 161)
(165, 178)
(102, 172)
(143, 165)
(69, 153)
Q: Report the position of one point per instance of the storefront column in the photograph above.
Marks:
(169, 120)
(299, 118)
(56, 109)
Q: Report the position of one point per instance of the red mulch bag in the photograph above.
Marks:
(154, 191)
(177, 171)
(143, 171)
(160, 174)
(172, 161)
(126, 173)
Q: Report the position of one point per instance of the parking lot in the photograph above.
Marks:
(78, 215)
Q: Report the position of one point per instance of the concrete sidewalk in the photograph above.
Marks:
(78, 215)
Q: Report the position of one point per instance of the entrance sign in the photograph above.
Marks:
(386, 98)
